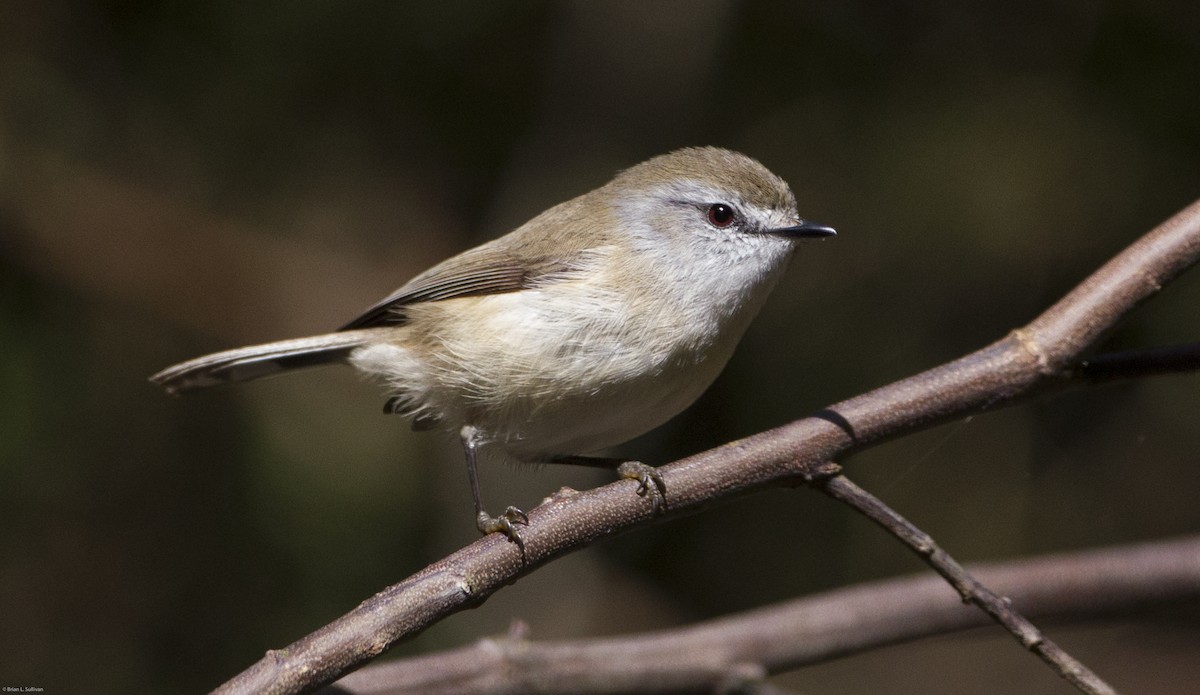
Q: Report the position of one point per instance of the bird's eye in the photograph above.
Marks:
(720, 215)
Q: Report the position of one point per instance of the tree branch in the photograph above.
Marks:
(1038, 355)
(794, 633)
(1135, 364)
(971, 589)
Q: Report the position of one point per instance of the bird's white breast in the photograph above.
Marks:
(578, 364)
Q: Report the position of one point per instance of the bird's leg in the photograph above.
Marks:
(506, 522)
(650, 481)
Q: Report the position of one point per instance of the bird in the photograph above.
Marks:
(592, 323)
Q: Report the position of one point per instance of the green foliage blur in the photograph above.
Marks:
(178, 178)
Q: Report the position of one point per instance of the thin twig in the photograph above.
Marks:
(972, 591)
(795, 633)
(1135, 364)
(996, 375)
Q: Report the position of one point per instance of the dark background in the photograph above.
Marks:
(182, 177)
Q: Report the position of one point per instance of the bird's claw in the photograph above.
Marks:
(506, 523)
(646, 476)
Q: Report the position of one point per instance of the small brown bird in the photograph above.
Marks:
(594, 322)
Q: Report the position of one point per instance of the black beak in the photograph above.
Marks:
(803, 230)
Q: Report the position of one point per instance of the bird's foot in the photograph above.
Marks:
(650, 482)
(506, 523)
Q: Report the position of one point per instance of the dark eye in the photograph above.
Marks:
(720, 215)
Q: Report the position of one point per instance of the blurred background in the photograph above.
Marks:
(178, 178)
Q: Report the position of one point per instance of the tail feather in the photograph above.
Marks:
(257, 361)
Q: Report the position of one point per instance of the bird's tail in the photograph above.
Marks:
(257, 361)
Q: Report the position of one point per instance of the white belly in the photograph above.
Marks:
(566, 369)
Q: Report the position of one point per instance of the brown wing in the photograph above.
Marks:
(480, 271)
(546, 249)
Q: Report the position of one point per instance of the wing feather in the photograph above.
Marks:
(546, 249)
(467, 275)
